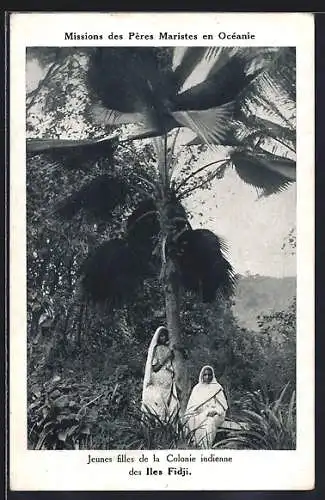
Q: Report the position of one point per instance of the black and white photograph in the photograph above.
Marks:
(161, 247)
(161, 251)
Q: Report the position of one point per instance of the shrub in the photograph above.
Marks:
(266, 425)
(147, 431)
(71, 415)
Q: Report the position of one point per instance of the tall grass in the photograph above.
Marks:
(265, 424)
(148, 431)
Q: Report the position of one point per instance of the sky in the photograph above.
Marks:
(33, 75)
(254, 228)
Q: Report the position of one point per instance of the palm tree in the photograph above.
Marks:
(142, 86)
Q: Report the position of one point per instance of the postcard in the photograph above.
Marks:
(161, 251)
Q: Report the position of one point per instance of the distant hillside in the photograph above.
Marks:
(261, 294)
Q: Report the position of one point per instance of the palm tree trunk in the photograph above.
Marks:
(171, 288)
(169, 277)
(172, 297)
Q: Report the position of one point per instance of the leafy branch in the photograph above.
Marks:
(208, 179)
(32, 95)
(190, 176)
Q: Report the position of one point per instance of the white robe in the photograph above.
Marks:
(205, 399)
(159, 394)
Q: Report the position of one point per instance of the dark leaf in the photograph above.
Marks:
(202, 265)
(268, 173)
(143, 227)
(219, 88)
(116, 76)
(98, 198)
(128, 79)
(111, 273)
(177, 215)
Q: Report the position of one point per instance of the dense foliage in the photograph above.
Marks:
(94, 293)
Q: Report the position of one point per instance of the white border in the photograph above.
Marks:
(261, 470)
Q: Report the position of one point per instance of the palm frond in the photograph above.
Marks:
(274, 93)
(220, 87)
(227, 141)
(250, 53)
(111, 274)
(217, 57)
(268, 95)
(260, 59)
(202, 264)
(131, 80)
(211, 125)
(134, 86)
(38, 146)
(137, 85)
(245, 132)
(188, 63)
(148, 130)
(143, 227)
(268, 173)
(284, 71)
(255, 133)
(117, 77)
(100, 115)
(74, 153)
(275, 130)
(97, 198)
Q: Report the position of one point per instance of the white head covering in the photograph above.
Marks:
(202, 392)
(151, 350)
(207, 367)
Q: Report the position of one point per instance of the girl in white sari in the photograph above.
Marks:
(206, 409)
(159, 394)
